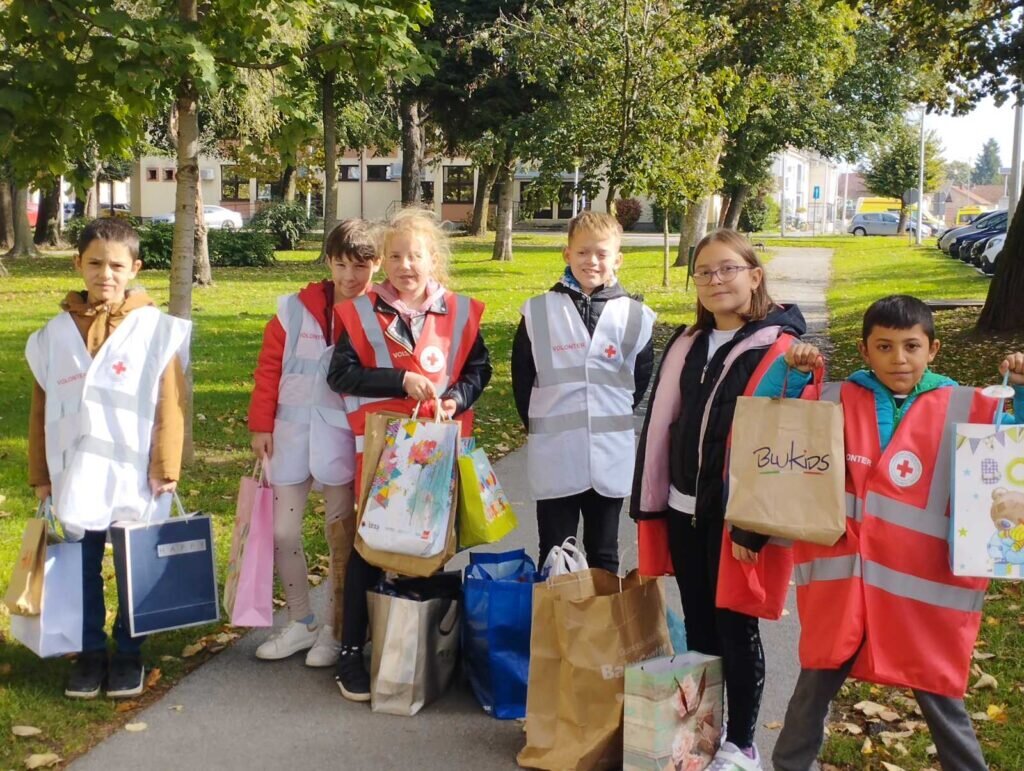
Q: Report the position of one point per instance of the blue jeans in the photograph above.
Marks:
(94, 610)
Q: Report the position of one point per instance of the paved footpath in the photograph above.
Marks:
(240, 713)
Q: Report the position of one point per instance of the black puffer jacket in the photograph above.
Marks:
(524, 370)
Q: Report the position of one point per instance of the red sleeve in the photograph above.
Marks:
(263, 404)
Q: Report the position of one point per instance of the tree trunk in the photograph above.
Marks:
(612, 191)
(330, 116)
(732, 214)
(48, 222)
(1004, 311)
(667, 261)
(904, 213)
(503, 217)
(482, 204)
(288, 178)
(6, 216)
(23, 246)
(412, 151)
(726, 200)
(202, 274)
(695, 225)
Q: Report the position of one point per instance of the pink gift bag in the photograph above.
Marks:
(249, 585)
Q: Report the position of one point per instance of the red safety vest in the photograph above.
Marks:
(440, 353)
(887, 582)
(757, 590)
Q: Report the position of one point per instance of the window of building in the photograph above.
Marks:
(168, 175)
(458, 184)
(348, 173)
(378, 172)
(565, 201)
(269, 191)
(152, 175)
(232, 186)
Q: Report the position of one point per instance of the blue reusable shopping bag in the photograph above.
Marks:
(498, 607)
(165, 573)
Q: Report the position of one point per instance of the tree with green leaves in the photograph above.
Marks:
(987, 165)
(892, 167)
(957, 173)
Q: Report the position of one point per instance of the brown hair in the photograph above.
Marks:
(112, 229)
(597, 223)
(423, 223)
(761, 303)
(351, 238)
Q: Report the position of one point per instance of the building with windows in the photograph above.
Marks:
(806, 187)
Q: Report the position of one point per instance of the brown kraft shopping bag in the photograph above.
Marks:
(24, 595)
(787, 472)
(601, 623)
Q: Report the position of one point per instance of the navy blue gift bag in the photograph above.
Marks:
(497, 611)
(165, 572)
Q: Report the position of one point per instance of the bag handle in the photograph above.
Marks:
(818, 375)
(45, 512)
(701, 689)
(439, 414)
(1002, 402)
(176, 502)
(455, 618)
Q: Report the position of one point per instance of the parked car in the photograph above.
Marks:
(216, 217)
(117, 210)
(991, 253)
(964, 245)
(882, 224)
(33, 213)
(984, 222)
(992, 226)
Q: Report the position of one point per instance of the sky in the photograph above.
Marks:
(963, 136)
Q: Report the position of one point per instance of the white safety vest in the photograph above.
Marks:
(100, 413)
(311, 431)
(581, 433)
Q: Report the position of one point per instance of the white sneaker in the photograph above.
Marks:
(324, 652)
(293, 638)
(731, 758)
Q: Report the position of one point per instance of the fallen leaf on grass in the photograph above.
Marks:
(930, 750)
(888, 715)
(867, 748)
(168, 658)
(774, 725)
(996, 713)
(985, 682)
(901, 749)
(870, 708)
(126, 706)
(191, 650)
(42, 760)
(224, 638)
(26, 730)
(982, 655)
(314, 580)
(853, 729)
(890, 766)
(980, 717)
(4, 514)
(153, 677)
(135, 727)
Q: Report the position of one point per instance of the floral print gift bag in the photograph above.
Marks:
(409, 504)
(673, 713)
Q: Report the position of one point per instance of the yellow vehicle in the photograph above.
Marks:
(968, 214)
(893, 206)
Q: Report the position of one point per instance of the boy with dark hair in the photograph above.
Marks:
(106, 432)
(882, 604)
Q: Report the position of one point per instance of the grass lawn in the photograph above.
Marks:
(229, 319)
(864, 270)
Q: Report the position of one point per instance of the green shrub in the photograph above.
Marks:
(761, 213)
(228, 248)
(627, 212)
(675, 219)
(73, 229)
(286, 221)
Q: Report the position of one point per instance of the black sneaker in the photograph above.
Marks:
(351, 676)
(87, 675)
(126, 676)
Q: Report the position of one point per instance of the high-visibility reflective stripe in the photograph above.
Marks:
(622, 378)
(374, 334)
(923, 521)
(110, 450)
(609, 424)
(356, 403)
(360, 440)
(109, 397)
(634, 324)
(294, 326)
(553, 424)
(853, 508)
(292, 413)
(827, 569)
(561, 376)
(333, 417)
(541, 343)
(458, 331)
(922, 590)
(296, 366)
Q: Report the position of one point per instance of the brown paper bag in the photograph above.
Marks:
(787, 473)
(587, 627)
(24, 595)
(405, 565)
(341, 534)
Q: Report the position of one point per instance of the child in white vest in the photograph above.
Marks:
(108, 341)
(581, 361)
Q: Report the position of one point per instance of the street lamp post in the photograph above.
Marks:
(1015, 181)
(920, 184)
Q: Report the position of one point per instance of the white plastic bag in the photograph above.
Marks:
(567, 558)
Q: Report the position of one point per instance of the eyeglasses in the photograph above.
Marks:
(727, 273)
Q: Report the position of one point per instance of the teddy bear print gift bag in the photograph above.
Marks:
(987, 518)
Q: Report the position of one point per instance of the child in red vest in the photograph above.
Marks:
(408, 340)
(882, 604)
(300, 444)
(678, 489)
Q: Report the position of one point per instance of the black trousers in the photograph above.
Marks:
(695, 545)
(360, 577)
(559, 518)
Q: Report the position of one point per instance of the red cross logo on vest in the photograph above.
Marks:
(610, 351)
(119, 368)
(432, 359)
(905, 468)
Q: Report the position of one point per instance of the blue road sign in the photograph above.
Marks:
(817, 192)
